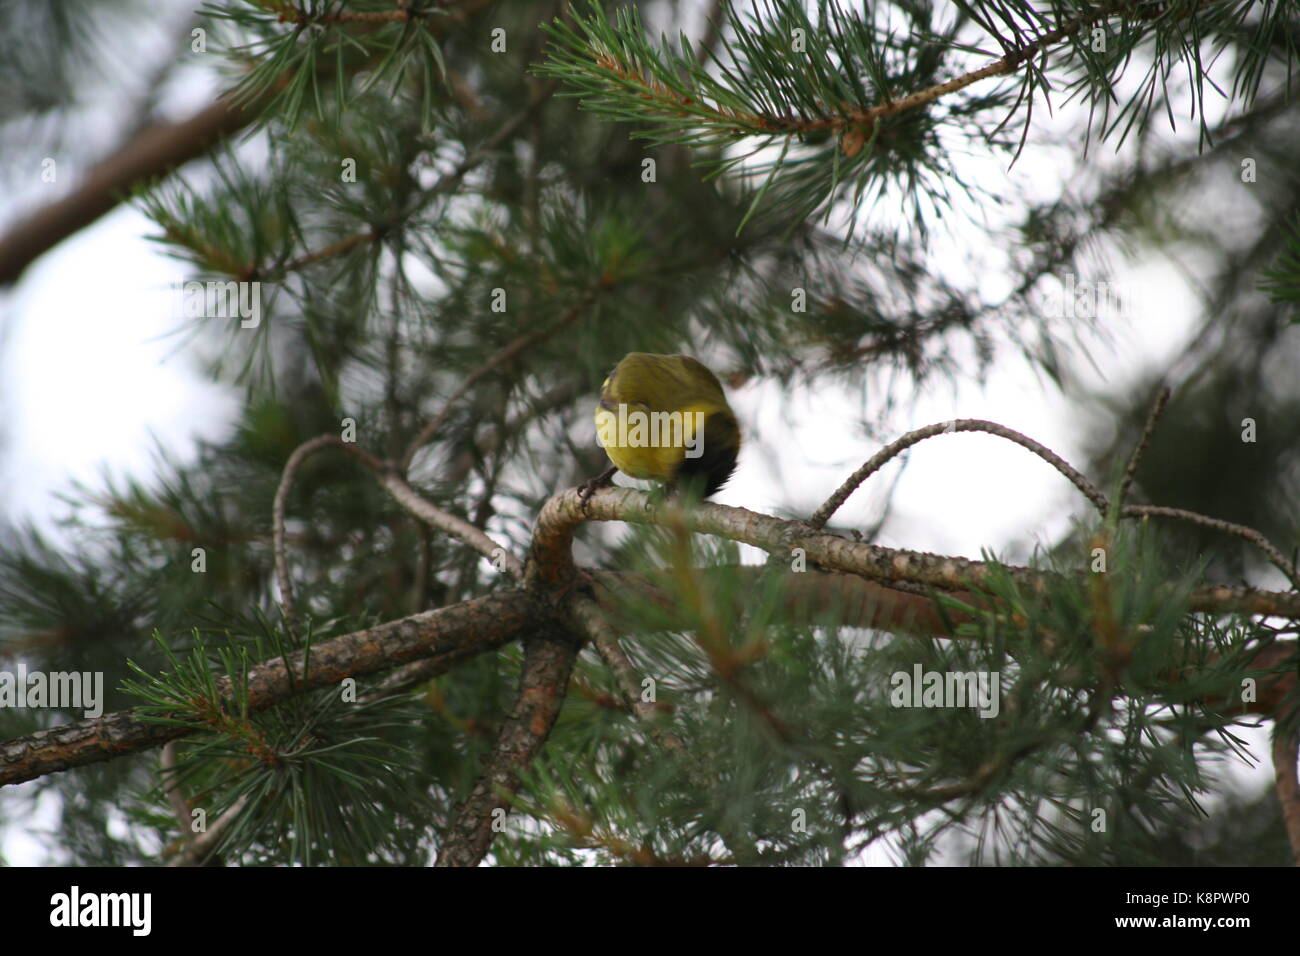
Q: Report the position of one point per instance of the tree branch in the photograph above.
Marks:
(1286, 751)
(151, 154)
(1157, 409)
(299, 455)
(156, 151)
(548, 663)
(458, 528)
(449, 635)
(554, 530)
(896, 447)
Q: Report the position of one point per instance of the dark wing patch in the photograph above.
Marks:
(718, 459)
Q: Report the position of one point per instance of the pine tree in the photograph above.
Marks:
(378, 624)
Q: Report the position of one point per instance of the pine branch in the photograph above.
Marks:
(554, 529)
(898, 446)
(154, 152)
(448, 635)
(779, 93)
(548, 662)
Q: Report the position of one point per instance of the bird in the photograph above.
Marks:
(666, 418)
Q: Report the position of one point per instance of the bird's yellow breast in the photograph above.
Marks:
(645, 443)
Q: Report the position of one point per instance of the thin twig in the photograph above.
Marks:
(175, 798)
(602, 635)
(1157, 409)
(459, 528)
(894, 448)
(1217, 524)
(201, 847)
(337, 248)
(301, 454)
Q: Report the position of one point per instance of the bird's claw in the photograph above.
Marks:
(592, 485)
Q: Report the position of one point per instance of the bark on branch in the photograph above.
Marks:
(449, 635)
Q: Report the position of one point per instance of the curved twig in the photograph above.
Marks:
(1157, 409)
(1091, 491)
(1216, 524)
(409, 498)
(894, 448)
(301, 454)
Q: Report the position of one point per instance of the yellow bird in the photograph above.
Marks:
(665, 417)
